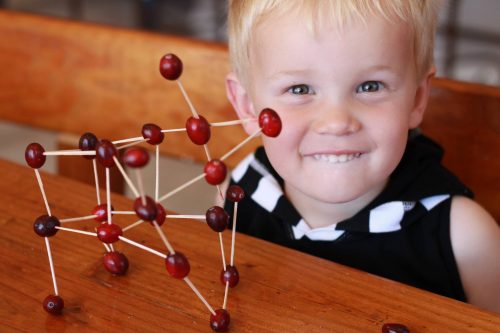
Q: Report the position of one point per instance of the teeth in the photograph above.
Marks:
(336, 158)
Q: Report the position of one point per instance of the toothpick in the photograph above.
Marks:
(186, 97)
(131, 144)
(108, 196)
(222, 251)
(135, 224)
(164, 238)
(137, 138)
(125, 176)
(226, 292)
(78, 231)
(40, 183)
(51, 263)
(123, 212)
(233, 234)
(241, 144)
(196, 217)
(174, 130)
(157, 172)
(70, 153)
(207, 152)
(183, 186)
(81, 218)
(233, 122)
(141, 186)
(96, 178)
(191, 285)
(108, 249)
(145, 248)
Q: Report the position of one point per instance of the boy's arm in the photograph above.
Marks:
(475, 238)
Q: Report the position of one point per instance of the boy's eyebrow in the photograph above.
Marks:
(289, 73)
(305, 72)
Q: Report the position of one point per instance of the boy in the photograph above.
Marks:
(344, 180)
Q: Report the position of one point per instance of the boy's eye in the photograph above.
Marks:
(300, 89)
(369, 86)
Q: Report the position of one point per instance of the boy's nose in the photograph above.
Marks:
(336, 122)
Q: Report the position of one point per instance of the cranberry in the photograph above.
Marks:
(215, 172)
(88, 141)
(135, 157)
(153, 133)
(109, 233)
(217, 218)
(34, 155)
(161, 214)
(177, 265)
(45, 225)
(198, 130)
(270, 122)
(230, 275)
(53, 304)
(148, 211)
(394, 328)
(220, 321)
(105, 151)
(170, 66)
(115, 262)
(235, 193)
(102, 212)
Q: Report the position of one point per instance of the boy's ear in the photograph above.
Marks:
(421, 98)
(242, 104)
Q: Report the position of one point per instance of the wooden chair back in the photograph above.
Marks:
(75, 77)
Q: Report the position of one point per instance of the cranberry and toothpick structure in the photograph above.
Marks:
(149, 209)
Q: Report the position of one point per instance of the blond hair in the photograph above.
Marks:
(245, 15)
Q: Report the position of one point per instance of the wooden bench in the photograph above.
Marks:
(74, 77)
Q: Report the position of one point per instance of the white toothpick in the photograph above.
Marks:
(191, 285)
(222, 251)
(174, 130)
(226, 292)
(180, 188)
(241, 144)
(96, 178)
(164, 238)
(135, 224)
(81, 218)
(233, 122)
(141, 186)
(51, 263)
(125, 176)
(108, 196)
(157, 172)
(137, 138)
(195, 217)
(145, 248)
(40, 183)
(76, 231)
(233, 233)
(131, 144)
(70, 153)
(188, 100)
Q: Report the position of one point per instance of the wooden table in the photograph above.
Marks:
(280, 290)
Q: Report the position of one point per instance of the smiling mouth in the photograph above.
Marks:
(331, 158)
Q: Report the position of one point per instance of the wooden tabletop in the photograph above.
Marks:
(280, 290)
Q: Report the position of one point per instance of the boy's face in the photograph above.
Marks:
(346, 100)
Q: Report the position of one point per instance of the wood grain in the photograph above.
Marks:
(280, 290)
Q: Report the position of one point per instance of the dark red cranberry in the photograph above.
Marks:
(220, 321)
(147, 211)
(88, 141)
(135, 157)
(270, 122)
(394, 328)
(161, 214)
(53, 304)
(45, 225)
(102, 212)
(217, 218)
(215, 172)
(235, 193)
(109, 233)
(115, 262)
(170, 66)
(177, 265)
(230, 275)
(34, 155)
(153, 133)
(198, 130)
(105, 151)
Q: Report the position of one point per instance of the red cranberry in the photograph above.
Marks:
(394, 328)
(230, 275)
(34, 155)
(215, 172)
(115, 262)
(45, 225)
(102, 212)
(105, 151)
(177, 265)
(170, 66)
(153, 133)
(53, 304)
(88, 141)
(198, 130)
(161, 214)
(270, 122)
(220, 321)
(148, 211)
(235, 193)
(135, 157)
(217, 218)
(109, 233)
